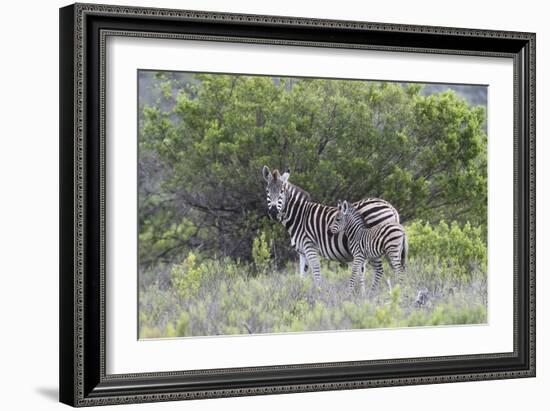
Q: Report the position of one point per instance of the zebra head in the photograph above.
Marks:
(341, 218)
(276, 190)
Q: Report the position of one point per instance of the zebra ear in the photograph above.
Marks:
(345, 207)
(267, 174)
(285, 176)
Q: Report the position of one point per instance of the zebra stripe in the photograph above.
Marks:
(370, 244)
(308, 222)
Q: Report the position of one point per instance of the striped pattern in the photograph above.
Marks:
(308, 222)
(370, 244)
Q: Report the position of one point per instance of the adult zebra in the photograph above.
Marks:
(308, 222)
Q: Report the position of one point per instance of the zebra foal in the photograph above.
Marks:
(370, 244)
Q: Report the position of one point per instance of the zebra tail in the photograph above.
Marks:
(404, 250)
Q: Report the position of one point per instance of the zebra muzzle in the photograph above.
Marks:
(272, 213)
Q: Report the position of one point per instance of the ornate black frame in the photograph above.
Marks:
(83, 30)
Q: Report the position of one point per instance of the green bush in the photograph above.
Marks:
(449, 250)
(187, 276)
(183, 324)
(261, 253)
(204, 138)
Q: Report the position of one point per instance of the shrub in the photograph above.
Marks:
(203, 139)
(187, 276)
(448, 249)
(182, 325)
(261, 253)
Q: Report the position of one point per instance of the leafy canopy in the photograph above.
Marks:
(204, 141)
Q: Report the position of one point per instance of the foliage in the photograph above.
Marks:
(214, 297)
(187, 276)
(448, 250)
(240, 301)
(261, 253)
(204, 139)
(449, 242)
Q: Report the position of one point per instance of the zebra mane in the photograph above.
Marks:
(356, 216)
(301, 191)
(277, 175)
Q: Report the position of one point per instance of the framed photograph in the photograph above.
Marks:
(262, 204)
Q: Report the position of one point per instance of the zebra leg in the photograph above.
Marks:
(362, 279)
(376, 263)
(313, 261)
(356, 268)
(303, 265)
(394, 258)
(351, 282)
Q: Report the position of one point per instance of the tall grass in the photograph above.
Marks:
(227, 298)
(219, 296)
